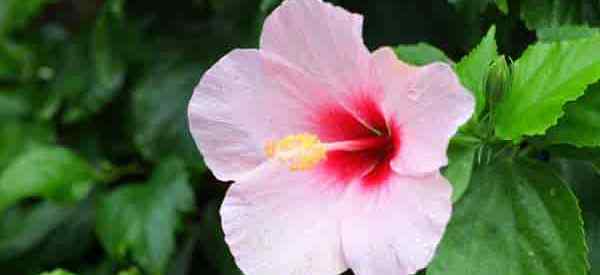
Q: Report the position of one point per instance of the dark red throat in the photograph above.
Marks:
(380, 139)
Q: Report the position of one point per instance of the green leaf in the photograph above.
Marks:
(268, 5)
(15, 14)
(470, 23)
(461, 160)
(420, 54)
(553, 34)
(17, 137)
(213, 238)
(130, 271)
(473, 68)
(502, 6)
(58, 272)
(182, 263)
(477, 7)
(580, 125)
(50, 172)
(15, 59)
(160, 112)
(22, 228)
(13, 104)
(139, 220)
(107, 74)
(553, 13)
(517, 218)
(547, 76)
(71, 81)
(584, 179)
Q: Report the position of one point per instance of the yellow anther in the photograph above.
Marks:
(298, 152)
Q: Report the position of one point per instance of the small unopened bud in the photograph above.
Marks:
(498, 81)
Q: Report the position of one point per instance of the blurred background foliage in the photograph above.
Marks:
(98, 172)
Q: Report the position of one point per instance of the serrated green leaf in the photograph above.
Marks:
(49, 172)
(420, 54)
(553, 13)
(473, 68)
(139, 220)
(580, 126)
(553, 34)
(461, 159)
(584, 178)
(169, 84)
(547, 76)
(517, 218)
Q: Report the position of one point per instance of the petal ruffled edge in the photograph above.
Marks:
(429, 104)
(396, 229)
(322, 39)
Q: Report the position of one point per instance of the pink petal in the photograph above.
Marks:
(281, 222)
(429, 104)
(246, 99)
(396, 229)
(324, 40)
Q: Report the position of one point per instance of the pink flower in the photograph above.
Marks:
(335, 152)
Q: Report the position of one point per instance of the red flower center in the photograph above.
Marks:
(368, 142)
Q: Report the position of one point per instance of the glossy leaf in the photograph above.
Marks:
(566, 33)
(502, 5)
(49, 172)
(170, 84)
(553, 13)
(22, 228)
(17, 137)
(517, 218)
(107, 74)
(420, 54)
(581, 124)
(584, 178)
(140, 219)
(547, 76)
(461, 160)
(15, 14)
(473, 68)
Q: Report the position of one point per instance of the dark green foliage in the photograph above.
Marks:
(517, 218)
(99, 173)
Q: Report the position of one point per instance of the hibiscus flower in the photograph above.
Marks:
(334, 151)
